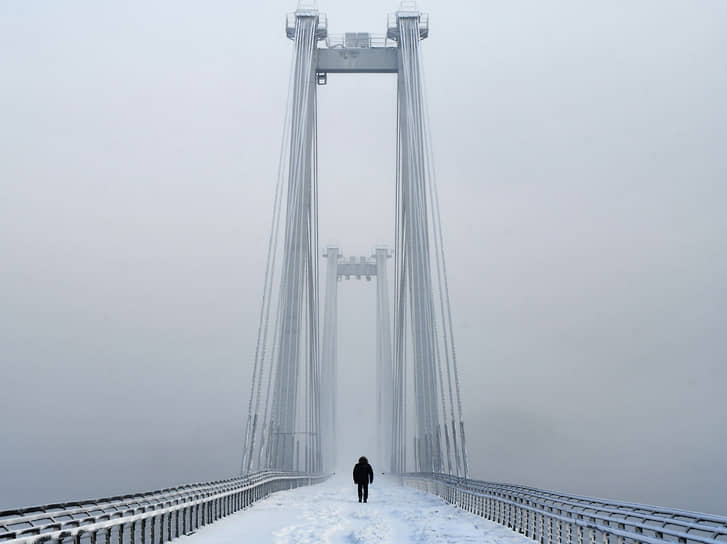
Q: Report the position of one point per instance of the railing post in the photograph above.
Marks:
(550, 530)
(521, 524)
(541, 537)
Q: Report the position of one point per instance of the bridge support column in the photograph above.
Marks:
(384, 371)
(329, 357)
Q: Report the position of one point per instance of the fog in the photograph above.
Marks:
(580, 152)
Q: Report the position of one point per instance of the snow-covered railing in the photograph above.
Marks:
(144, 518)
(550, 517)
(357, 40)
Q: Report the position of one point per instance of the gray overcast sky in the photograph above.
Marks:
(580, 150)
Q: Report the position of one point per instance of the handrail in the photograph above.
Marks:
(582, 499)
(56, 510)
(361, 40)
(529, 510)
(166, 512)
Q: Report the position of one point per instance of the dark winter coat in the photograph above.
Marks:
(362, 472)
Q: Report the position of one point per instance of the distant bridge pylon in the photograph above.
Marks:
(337, 269)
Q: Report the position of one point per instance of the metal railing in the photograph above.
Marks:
(357, 40)
(550, 517)
(144, 518)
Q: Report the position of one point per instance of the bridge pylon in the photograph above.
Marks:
(291, 413)
(337, 269)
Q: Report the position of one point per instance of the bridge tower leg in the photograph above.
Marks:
(298, 363)
(420, 354)
(329, 358)
(384, 375)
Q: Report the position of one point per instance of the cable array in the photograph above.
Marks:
(427, 404)
(283, 426)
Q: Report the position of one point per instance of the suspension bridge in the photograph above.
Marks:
(290, 428)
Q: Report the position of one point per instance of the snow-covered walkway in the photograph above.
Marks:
(330, 513)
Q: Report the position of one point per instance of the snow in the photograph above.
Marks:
(330, 513)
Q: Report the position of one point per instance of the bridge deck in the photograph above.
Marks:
(330, 513)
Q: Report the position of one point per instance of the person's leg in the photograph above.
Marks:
(359, 492)
(365, 491)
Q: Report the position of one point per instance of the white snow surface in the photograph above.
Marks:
(330, 513)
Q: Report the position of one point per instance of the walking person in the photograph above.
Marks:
(363, 475)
